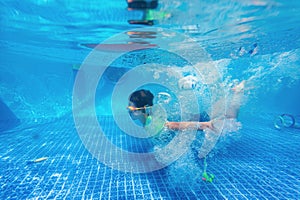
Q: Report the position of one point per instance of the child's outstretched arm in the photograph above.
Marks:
(189, 125)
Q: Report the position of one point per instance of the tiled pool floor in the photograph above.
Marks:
(263, 164)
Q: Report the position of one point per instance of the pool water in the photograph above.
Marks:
(46, 44)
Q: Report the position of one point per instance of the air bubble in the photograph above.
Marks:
(163, 98)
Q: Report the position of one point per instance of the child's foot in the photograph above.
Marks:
(239, 87)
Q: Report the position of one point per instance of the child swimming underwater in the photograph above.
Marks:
(141, 103)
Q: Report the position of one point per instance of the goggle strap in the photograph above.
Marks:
(140, 108)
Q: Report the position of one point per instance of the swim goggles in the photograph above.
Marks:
(132, 108)
(286, 120)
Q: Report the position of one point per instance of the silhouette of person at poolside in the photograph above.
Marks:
(141, 103)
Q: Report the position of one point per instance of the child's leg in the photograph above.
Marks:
(234, 105)
(229, 108)
(232, 110)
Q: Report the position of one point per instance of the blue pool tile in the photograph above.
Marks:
(258, 166)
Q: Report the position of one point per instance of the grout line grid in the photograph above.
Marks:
(262, 164)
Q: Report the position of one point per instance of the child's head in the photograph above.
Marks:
(141, 98)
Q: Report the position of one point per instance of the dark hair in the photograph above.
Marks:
(142, 98)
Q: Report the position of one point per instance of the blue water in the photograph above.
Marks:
(43, 43)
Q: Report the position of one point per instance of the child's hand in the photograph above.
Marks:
(210, 125)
